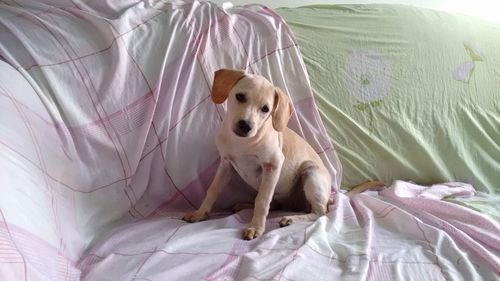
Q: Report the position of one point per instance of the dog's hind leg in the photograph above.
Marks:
(316, 186)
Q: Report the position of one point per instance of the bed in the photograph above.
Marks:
(106, 140)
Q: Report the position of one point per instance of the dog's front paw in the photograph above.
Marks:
(250, 232)
(195, 216)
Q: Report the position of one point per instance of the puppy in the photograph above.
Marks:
(255, 143)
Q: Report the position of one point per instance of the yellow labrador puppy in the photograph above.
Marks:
(254, 142)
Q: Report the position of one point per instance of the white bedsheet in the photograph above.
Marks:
(369, 238)
(106, 139)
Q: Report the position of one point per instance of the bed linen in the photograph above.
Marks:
(107, 116)
(414, 88)
(106, 139)
(371, 237)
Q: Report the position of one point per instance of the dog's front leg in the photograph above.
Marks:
(270, 177)
(222, 177)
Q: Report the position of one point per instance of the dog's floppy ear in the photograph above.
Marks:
(282, 110)
(224, 80)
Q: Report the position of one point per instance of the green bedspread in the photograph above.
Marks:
(405, 93)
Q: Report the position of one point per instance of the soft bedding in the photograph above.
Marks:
(405, 92)
(106, 139)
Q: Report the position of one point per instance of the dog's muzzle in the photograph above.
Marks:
(242, 128)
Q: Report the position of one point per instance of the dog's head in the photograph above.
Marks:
(251, 101)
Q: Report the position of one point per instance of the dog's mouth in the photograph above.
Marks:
(242, 128)
(240, 134)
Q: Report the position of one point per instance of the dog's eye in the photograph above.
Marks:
(265, 109)
(241, 98)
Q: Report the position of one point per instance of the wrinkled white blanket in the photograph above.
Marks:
(367, 238)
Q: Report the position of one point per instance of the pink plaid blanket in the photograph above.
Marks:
(106, 138)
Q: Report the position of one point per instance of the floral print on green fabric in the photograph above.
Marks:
(464, 71)
(367, 78)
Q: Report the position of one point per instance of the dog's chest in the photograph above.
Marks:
(248, 167)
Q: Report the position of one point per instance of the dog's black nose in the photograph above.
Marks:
(244, 127)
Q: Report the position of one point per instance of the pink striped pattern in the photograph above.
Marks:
(8, 250)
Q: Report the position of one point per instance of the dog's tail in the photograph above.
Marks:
(376, 185)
